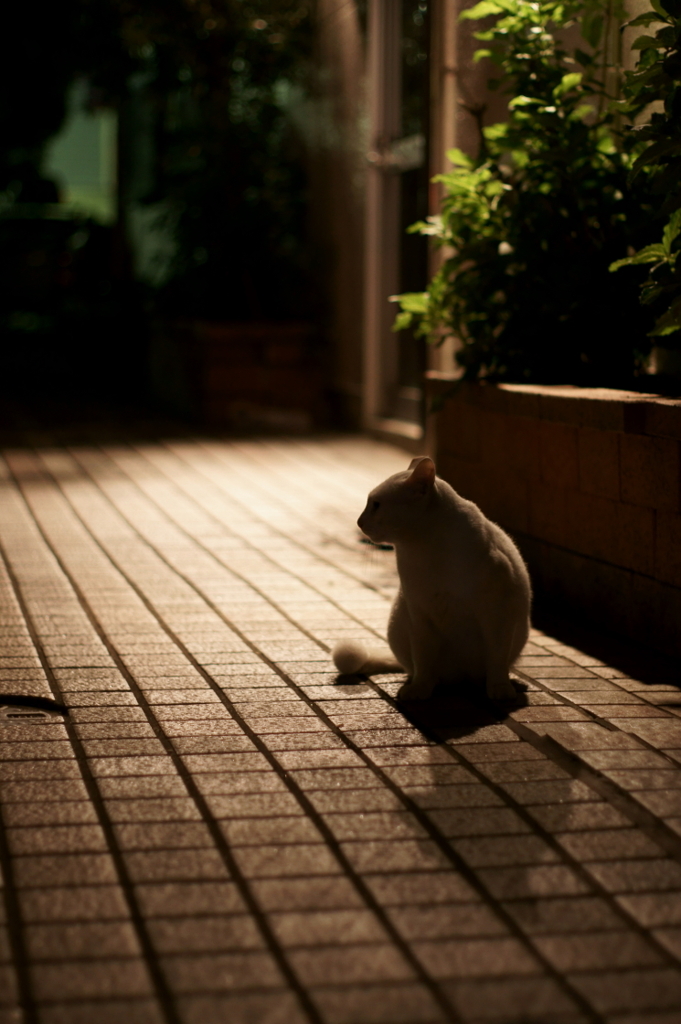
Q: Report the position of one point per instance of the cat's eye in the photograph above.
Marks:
(375, 505)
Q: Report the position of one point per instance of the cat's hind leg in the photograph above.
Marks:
(502, 640)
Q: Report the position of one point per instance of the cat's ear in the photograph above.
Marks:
(422, 473)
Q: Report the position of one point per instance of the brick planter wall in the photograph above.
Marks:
(588, 482)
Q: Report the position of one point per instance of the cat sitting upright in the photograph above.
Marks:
(463, 607)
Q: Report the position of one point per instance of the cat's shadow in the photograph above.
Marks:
(454, 714)
(451, 713)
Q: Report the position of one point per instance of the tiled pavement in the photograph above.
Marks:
(221, 832)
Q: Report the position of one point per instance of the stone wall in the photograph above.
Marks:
(588, 482)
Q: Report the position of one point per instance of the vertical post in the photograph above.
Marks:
(444, 115)
(382, 204)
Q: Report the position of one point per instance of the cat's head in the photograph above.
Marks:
(395, 508)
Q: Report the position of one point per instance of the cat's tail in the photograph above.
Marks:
(351, 656)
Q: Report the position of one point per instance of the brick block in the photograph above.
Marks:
(599, 467)
(458, 430)
(650, 471)
(547, 512)
(662, 418)
(521, 399)
(465, 477)
(668, 547)
(522, 447)
(493, 440)
(589, 525)
(494, 398)
(655, 613)
(604, 408)
(506, 499)
(558, 454)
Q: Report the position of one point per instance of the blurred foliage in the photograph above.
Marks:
(211, 80)
(657, 80)
(530, 227)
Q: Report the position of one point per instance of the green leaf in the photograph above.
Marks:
(669, 322)
(592, 28)
(657, 6)
(653, 153)
(651, 254)
(671, 231)
(524, 101)
(482, 10)
(459, 158)
(567, 83)
(582, 111)
(643, 19)
(402, 321)
(480, 55)
(412, 302)
(644, 43)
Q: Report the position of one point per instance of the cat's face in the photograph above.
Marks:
(395, 508)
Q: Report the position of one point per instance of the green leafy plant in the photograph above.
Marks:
(530, 227)
(657, 80)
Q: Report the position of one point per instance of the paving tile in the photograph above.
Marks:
(599, 951)
(296, 894)
(221, 972)
(478, 821)
(297, 859)
(474, 957)
(82, 941)
(64, 869)
(653, 909)
(70, 838)
(277, 1006)
(504, 850)
(43, 814)
(186, 899)
(205, 934)
(503, 999)
(637, 876)
(579, 817)
(609, 844)
(634, 989)
(175, 865)
(415, 888)
(104, 1011)
(87, 980)
(348, 965)
(371, 856)
(532, 881)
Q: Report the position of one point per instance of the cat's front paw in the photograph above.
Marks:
(501, 689)
(412, 690)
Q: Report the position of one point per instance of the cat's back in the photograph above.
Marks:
(464, 529)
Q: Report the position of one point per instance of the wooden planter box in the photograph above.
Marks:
(249, 376)
(588, 480)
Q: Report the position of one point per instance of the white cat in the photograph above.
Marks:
(463, 608)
